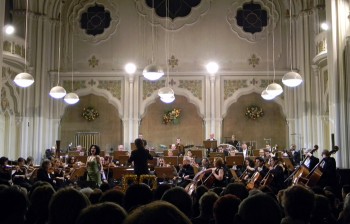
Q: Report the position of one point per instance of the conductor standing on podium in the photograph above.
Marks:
(140, 157)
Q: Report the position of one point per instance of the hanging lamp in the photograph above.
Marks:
(292, 78)
(72, 98)
(153, 71)
(58, 91)
(24, 79)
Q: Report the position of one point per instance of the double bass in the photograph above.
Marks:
(316, 173)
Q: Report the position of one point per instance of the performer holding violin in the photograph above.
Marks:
(186, 172)
(275, 177)
(45, 173)
(20, 176)
(5, 171)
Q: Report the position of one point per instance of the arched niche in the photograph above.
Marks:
(108, 124)
(190, 128)
(272, 125)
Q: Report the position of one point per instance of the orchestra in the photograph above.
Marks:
(190, 167)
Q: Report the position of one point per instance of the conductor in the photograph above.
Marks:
(140, 157)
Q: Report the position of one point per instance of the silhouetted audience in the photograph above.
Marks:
(206, 204)
(137, 195)
(180, 198)
(225, 209)
(104, 213)
(65, 206)
(157, 212)
(113, 195)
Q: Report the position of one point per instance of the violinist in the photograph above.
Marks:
(260, 166)
(20, 176)
(276, 174)
(5, 171)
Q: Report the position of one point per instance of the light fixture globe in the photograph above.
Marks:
(165, 92)
(153, 72)
(57, 92)
(266, 96)
(274, 89)
(130, 68)
(292, 79)
(24, 79)
(212, 67)
(168, 100)
(71, 98)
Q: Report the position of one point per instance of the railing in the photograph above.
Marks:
(14, 45)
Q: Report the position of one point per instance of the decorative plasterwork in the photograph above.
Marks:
(78, 7)
(265, 4)
(77, 84)
(172, 61)
(253, 60)
(93, 61)
(112, 86)
(194, 86)
(14, 48)
(231, 86)
(149, 87)
(178, 22)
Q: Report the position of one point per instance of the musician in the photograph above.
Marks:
(205, 164)
(186, 172)
(20, 176)
(260, 166)
(211, 138)
(219, 173)
(120, 148)
(329, 170)
(45, 173)
(5, 171)
(294, 155)
(233, 141)
(277, 173)
(180, 147)
(80, 150)
(248, 169)
(139, 157)
(311, 161)
(245, 150)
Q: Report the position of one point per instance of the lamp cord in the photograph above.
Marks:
(152, 25)
(25, 39)
(273, 43)
(72, 48)
(59, 45)
(290, 35)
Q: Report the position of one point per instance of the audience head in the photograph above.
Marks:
(237, 189)
(106, 212)
(269, 214)
(137, 195)
(225, 209)
(160, 190)
(39, 202)
(157, 212)
(95, 195)
(206, 203)
(13, 205)
(180, 198)
(65, 206)
(322, 210)
(298, 203)
(113, 195)
(94, 150)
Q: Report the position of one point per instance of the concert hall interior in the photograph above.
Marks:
(230, 86)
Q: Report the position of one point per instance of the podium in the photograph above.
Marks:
(210, 144)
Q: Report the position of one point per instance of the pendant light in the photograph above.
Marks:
(274, 89)
(166, 93)
(153, 71)
(291, 79)
(72, 98)
(24, 79)
(58, 91)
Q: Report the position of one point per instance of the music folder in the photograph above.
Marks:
(210, 144)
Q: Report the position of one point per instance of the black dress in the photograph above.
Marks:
(140, 157)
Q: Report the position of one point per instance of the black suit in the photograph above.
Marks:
(278, 178)
(184, 171)
(296, 158)
(43, 175)
(313, 162)
(329, 173)
(140, 157)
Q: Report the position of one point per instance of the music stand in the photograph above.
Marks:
(164, 172)
(210, 144)
(81, 158)
(234, 160)
(123, 159)
(197, 153)
(117, 154)
(173, 160)
(119, 172)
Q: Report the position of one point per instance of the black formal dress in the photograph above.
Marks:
(140, 157)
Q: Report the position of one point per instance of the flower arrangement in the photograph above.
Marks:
(172, 116)
(254, 112)
(90, 113)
